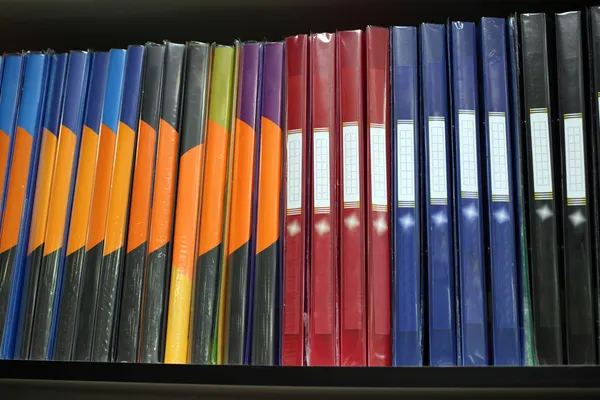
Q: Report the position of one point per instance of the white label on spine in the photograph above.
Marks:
(321, 186)
(574, 157)
(498, 156)
(437, 161)
(294, 171)
(351, 164)
(406, 162)
(540, 139)
(378, 166)
(468, 152)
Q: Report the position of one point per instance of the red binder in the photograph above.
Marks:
(294, 244)
(378, 197)
(350, 92)
(322, 291)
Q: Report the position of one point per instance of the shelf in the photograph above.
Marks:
(167, 381)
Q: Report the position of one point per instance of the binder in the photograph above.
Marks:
(9, 103)
(468, 193)
(218, 339)
(407, 311)
(128, 340)
(351, 118)
(265, 340)
(59, 208)
(322, 324)
(191, 156)
(69, 314)
(437, 199)
(580, 338)
(156, 277)
(295, 187)
(19, 190)
(141, 197)
(243, 194)
(12, 84)
(39, 210)
(541, 197)
(90, 202)
(517, 144)
(207, 274)
(500, 204)
(111, 276)
(593, 42)
(378, 198)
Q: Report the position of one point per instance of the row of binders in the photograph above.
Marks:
(401, 196)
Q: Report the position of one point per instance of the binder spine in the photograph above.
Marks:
(438, 217)
(51, 278)
(19, 189)
(580, 337)
(593, 25)
(265, 341)
(72, 328)
(157, 276)
(322, 339)
(33, 242)
(500, 197)
(9, 103)
(517, 143)
(89, 200)
(378, 198)
(295, 186)
(100, 177)
(191, 156)
(141, 200)
(469, 212)
(541, 196)
(207, 274)
(351, 119)
(242, 210)
(128, 339)
(107, 317)
(407, 312)
(12, 85)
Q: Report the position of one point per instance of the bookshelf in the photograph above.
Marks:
(69, 24)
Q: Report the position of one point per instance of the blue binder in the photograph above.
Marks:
(437, 199)
(499, 189)
(406, 262)
(469, 211)
(25, 146)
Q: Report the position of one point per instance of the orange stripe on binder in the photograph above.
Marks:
(83, 191)
(269, 185)
(162, 207)
(213, 194)
(43, 188)
(102, 183)
(119, 195)
(19, 172)
(4, 149)
(243, 167)
(188, 197)
(141, 192)
(60, 191)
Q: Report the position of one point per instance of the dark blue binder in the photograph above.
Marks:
(437, 199)
(500, 198)
(406, 262)
(469, 211)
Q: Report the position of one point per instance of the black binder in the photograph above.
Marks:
(542, 210)
(593, 27)
(577, 258)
